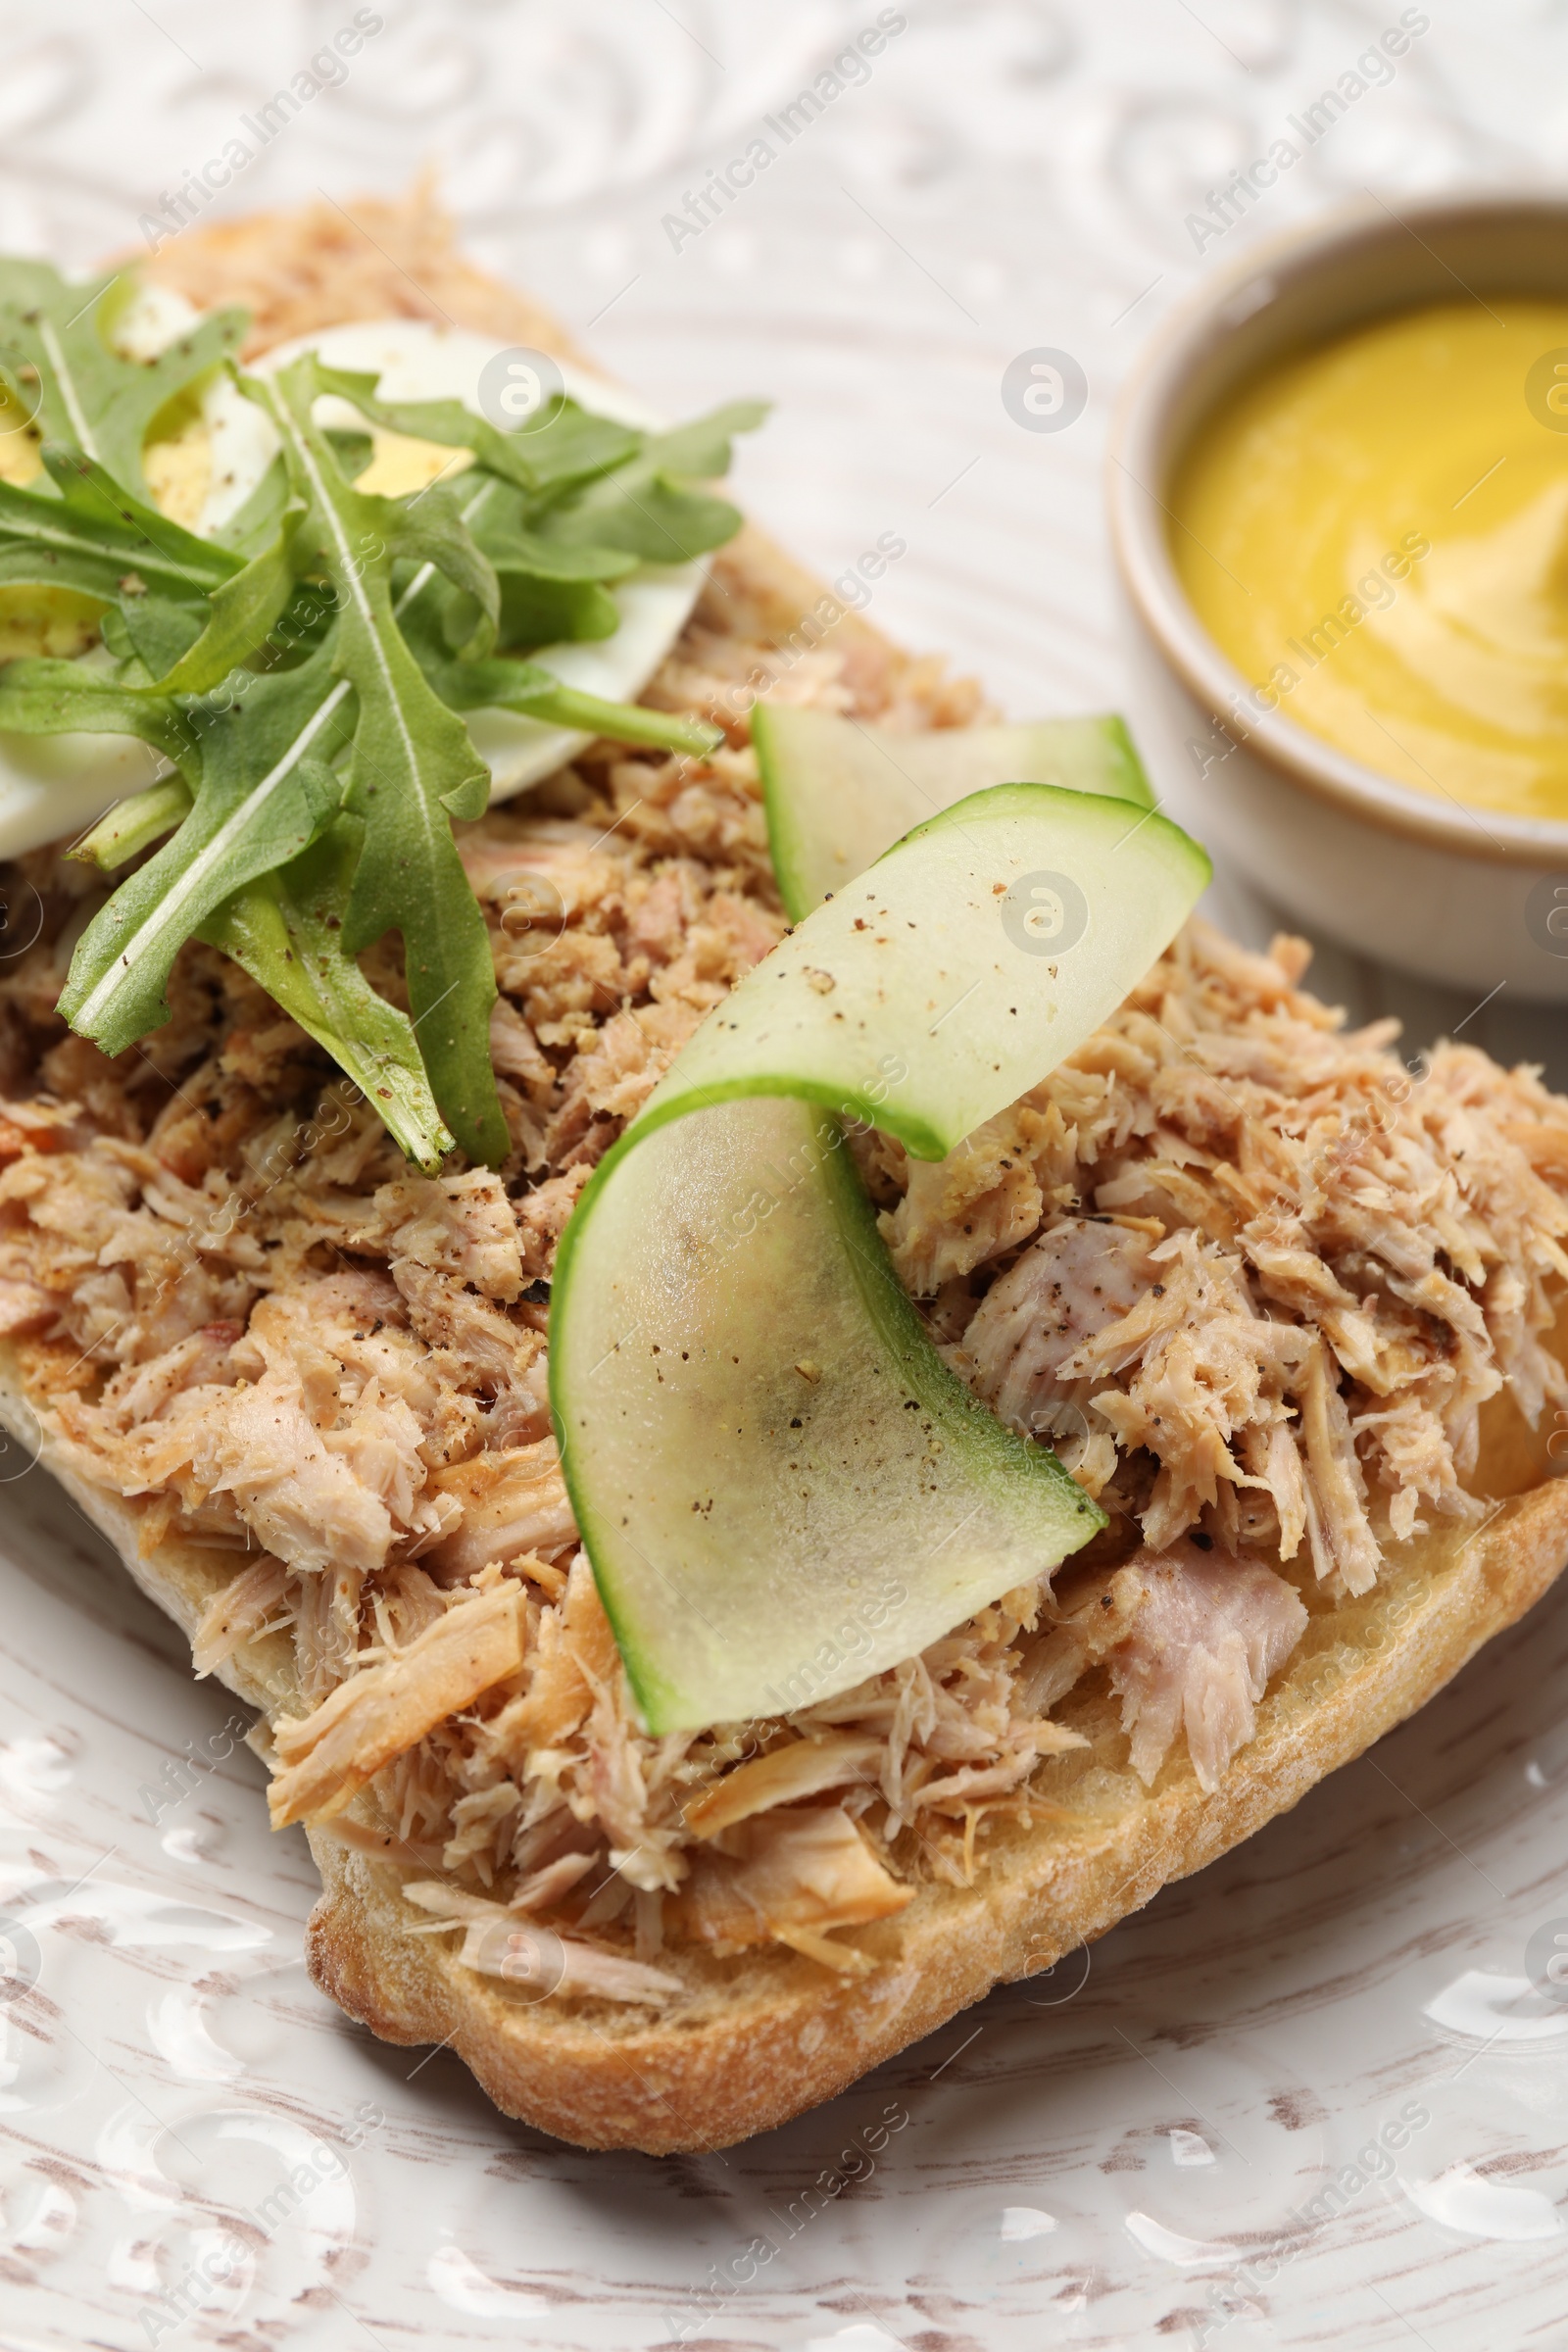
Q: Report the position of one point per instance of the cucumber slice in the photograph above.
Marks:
(780, 1485)
(838, 794)
(976, 954)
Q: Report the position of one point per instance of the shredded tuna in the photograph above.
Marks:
(1206, 1633)
(257, 1598)
(24, 1305)
(497, 1943)
(460, 1225)
(377, 1714)
(800, 1876)
(1254, 1276)
(802, 1768)
(1345, 1258)
(1063, 1291)
(509, 1503)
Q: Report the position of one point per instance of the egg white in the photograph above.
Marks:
(418, 361)
(55, 786)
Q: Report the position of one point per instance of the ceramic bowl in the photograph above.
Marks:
(1468, 896)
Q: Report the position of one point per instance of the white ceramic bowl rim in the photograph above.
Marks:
(1138, 464)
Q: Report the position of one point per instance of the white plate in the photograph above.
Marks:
(1280, 2008)
(1092, 2159)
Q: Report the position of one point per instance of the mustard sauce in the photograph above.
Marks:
(1376, 533)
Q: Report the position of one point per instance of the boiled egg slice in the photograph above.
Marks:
(215, 453)
(418, 361)
(202, 469)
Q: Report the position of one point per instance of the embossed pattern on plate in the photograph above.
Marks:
(1317, 2094)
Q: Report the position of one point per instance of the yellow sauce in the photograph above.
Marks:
(1377, 535)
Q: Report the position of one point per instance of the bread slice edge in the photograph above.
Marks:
(766, 2035)
(770, 2034)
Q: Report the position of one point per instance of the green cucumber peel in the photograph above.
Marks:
(947, 945)
(780, 1485)
(838, 793)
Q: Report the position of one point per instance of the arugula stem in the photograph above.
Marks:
(621, 722)
(134, 824)
(414, 769)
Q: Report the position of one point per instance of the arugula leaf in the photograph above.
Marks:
(537, 612)
(287, 931)
(191, 648)
(99, 502)
(656, 521)
(95, 539)
(533, 611)
(353, 451)
(549, 594)
(67, 697)
(266, 793)
(572, 447)
(54, 338)
(241, 614)
(703, 449)
(257, 518)
(503, 531)
(569, 446)
(149, 634)
(535, 692)
(433, 530)
(414, 769)
(646, 507)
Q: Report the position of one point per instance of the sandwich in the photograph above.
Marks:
(784, 1383)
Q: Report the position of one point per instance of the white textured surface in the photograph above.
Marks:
(1011, 175)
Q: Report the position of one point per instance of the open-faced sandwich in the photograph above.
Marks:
(787, 1390)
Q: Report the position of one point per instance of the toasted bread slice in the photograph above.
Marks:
(761, 2037)
(757, 2037)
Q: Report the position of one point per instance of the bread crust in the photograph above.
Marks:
(763, 2036)
(772, 2048)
